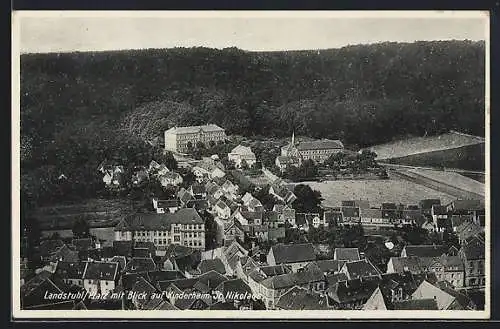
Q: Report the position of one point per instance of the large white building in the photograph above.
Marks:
(184, 227)
(180, 139)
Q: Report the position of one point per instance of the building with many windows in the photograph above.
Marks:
(318, 150)
(184, 227)
(181, 139)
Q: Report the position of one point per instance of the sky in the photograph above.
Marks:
(44, 32)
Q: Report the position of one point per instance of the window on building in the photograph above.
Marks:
(177, 239)
(176, 230)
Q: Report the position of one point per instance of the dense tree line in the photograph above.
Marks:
(362, 94)
(78, 108)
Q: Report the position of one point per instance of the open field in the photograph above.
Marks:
(97, 212)
(375, 191)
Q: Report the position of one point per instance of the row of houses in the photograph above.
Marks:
(113, 176)
(429, 214)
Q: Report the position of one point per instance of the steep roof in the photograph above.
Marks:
(293, 253)
(208, 265)
(292, 279)
(416, 304)
(402, 264)
(233, 286)
(330, 265)
(474, 248)
(101, 271)
(360, 269)
(301, 299)
(425, 250)
(140, 264)
(70, 270)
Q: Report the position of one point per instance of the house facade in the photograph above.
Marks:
(181, 139)
(242, 154)
(184, 227)
(318, 150)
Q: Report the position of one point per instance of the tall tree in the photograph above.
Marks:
(308, 200)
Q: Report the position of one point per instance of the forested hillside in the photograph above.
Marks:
(364, 95)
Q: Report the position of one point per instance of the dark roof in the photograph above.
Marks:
(474, 248)
(121, 260)
(157, 276)
(416, 304)
(136, 265)
(427, 203)
(330, 265)
(293, 253)
(156, 222)
(333, 279)
(209, 280)
(70, 270)
(141, 252)
(172, 203)
(425, 250)
(198, 188)
(292, 279)
(439, 210)
(402, 264)
(198, 204)
(350, 211)
(180, 284)
(321, 144)
(237, 286)
(275, 270)
(82, 244)
(346, 254)
(33, 292)
(360, 269)
(352, 291)
(123, 248)
(372, 213)
(47, 247)
(208, 265)
(64, 253)
(301, 299)
(466, 204)
(101, 271)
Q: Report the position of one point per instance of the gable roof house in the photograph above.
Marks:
(446, 297)
(294, 255)
(242, 154)
(33, 293)
(282, 193)
(300, 299)
(360, 269)
(100, 277)
(412, 264)
(423, 251)
(350, 215)
(351, 294)
(472, 253)
(272, 288)
(163, 206)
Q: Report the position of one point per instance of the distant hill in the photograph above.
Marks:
(364, 95)
(79, 108)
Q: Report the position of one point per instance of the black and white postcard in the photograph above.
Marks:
(250, 165)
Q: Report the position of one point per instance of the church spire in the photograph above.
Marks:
(293, 137)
